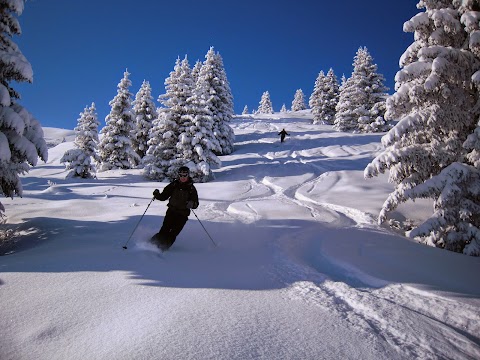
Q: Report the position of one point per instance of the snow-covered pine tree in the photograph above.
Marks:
(346, 117)
(218, 99)
(332, 93)
(21, 135)
(324, 98)
(162, 144)
(317, 90)
(298, 102)
(196, 140)
(265, 105)
(196, 70)
(374, 121)
(432, 152)
(283, 109)
(115, 149)
(79, 159)
(343, 80)
(166, 150)
(161, 148)
(145, 112)
(245, 110)
(361, 97)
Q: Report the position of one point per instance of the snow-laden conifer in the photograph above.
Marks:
(21, 135)
(115, 148)
(245, 110)
(265, 105)
(198, 141)
(374, 120)
(348, 109)
(317, 90)
(162, 144)
(454, 224)
(212, 79)
(360, 105)
(324, 98)
(432, 152)
(161, 148)
(80, 160)
(145, 112)
(283, 109)
(298, 102)
(196, 70)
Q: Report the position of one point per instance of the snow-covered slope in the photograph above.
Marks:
(301, 270)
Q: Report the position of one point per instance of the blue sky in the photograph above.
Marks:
(80, 49)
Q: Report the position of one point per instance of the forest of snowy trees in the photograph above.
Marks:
(190, 129)
(358, 104)
(431, 145)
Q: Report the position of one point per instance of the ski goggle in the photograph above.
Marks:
(183, 174)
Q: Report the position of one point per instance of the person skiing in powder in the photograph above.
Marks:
(182, 196)
(282, 134)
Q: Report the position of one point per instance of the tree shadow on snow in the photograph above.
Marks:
(269, 254)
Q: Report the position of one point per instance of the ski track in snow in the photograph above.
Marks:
(397, 313)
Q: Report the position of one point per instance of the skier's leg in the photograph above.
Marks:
(177, 225)
(162, 238)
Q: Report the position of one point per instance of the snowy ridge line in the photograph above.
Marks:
(216, 211)
(361, 218)
(247, 217)
(280, 193)
(277, 190)
(304, 201)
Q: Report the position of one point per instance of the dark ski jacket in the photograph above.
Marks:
(283, 133)
(180, 194)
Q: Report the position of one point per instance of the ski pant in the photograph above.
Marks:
(282, 138)
(173, 223)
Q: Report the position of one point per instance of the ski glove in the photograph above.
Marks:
(156, 193)
(192, 205)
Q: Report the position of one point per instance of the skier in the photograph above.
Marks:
(182, 196)
(282, 134)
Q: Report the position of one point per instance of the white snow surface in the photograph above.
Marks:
(301, 270)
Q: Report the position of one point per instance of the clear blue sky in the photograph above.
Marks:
(80, 49)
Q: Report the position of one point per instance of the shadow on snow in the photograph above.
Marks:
(269, 254)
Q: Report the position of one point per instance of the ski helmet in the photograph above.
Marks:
(183, 170)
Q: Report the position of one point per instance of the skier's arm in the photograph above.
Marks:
(165, 194)
(193, 199)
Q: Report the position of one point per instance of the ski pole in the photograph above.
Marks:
(125, 246)
(204, 228)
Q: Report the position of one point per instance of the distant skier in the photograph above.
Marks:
(183, 197)
(282, 134)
